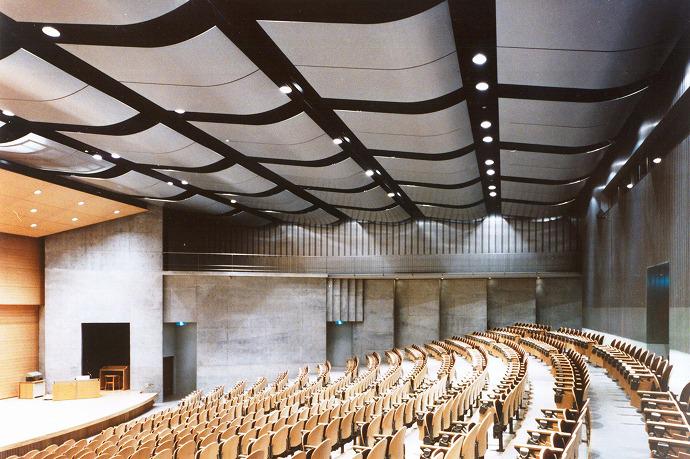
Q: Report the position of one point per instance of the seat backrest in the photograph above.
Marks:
(261, 443)
(396, 446)
(229, 449)
(186, 450)
(209, 452)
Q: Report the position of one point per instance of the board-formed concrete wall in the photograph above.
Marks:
(110, 272)
(463, 306)
(510, 300)
(559, 301)
(375, 333)
(417, 315)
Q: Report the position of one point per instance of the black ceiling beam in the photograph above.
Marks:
(556, 94)
(555, 149)
(245, 32)
(30, 38)
(538, 181)
(474, 29)
(407, 108)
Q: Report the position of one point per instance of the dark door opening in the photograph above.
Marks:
(657, 308)
(168, 376)
(103, 344)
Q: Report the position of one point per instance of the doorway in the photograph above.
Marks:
(657, 308)
(103, 344)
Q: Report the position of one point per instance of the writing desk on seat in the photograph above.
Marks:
(121, 370)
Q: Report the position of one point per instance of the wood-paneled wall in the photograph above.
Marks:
(19, 345)
(21, 270)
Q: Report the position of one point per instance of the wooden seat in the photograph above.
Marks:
(111, 382)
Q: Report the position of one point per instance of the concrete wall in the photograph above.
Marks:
(375, 333)
(110, 272)
(510, 300)
(339, 343)
(250, 326)
(463, 306)
(185, 359)
(417, 313)
(559, 301)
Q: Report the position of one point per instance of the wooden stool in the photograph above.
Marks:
(111, 381)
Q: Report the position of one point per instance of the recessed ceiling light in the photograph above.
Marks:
(378, 171)
(80, 203)
(369, 172)
(492, 187)
(490, 172)
(170, 183)
(629, 185)
(116, 212)
(180, 111)
(489, 162)
(492, 194)
(285, 89)
(50, 31)
(114, 156)
(33, 225)
(486, 124)
(482, 86)
(233, 201)
(488, 139)
(298, 87)
(37, 192)
(337, 141)
(391, 194)
(479, 59)
(97, 157)
(227, 140)
(33, 211)
(184, 182)
(7, 112)
(74, 219)
(656, 160)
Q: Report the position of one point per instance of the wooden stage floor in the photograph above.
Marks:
(34, 424)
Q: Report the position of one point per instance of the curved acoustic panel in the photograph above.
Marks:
(246, 219)
(549, 165)
(445, 213)
(539, 192)
(234, 179)
(41, 153)
(158, 145)
(296, 138)
(120, 12)
(196, 203)
(456, 197)
(134, 184)
(282, 201)
(39, 91)
(513, 209)
(314, 217)
(345, 174)
(437, 132)
(395, 214)
(330, 56)
(374, 198)
(446, 172)
(210, 74)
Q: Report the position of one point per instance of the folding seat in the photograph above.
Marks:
(229, 448)
(142, 453)
(186, 450)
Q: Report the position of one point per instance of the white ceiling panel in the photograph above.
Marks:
(134, 184)
(374, 198)
(235, 179)
(345, 174)
(395, 214)
(36, 151)
(314, 217)
(297, 138)
(456, 197)
(512, 209)
(202, 80)
(437, 132)
(563, 123)
(120, 12)
(540, 192)
(38, 91)
(445, 213)
(529, 164)
(284, 201)
(446, 172)
(158, 145)
(196, 203)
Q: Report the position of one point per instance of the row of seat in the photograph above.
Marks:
(667, 421)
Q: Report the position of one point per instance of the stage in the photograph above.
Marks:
(36, 423)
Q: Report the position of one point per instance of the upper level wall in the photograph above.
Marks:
(494, 244)
(21, 270)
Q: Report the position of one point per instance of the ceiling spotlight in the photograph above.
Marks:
(184, 182)
(74, 219)
(490, 172)
(116, 212)
(337, 141)
(486, 124)
(489, 162)
(285, 89)
(170, 183)
(391, 194)
(629, 185)
(7, 112)
(114, 156)
(33, 211)
(233, 201)
(37, 192)
(80, 203)
(298, 87)
(482, 86)
(51, 31)
(492, 187)
(479, 59)
(33, 225)
(488, 139)
(378, 171)
(656, 160)
(97, 157)
(492, 194)
(180, 111)
(369, 172)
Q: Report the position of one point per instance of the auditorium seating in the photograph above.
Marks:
(371, 406)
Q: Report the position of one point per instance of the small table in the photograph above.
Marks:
(122, 370)
(32, 389)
